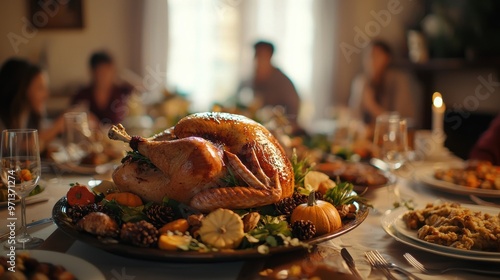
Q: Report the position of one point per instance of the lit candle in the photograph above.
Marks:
(438, 109)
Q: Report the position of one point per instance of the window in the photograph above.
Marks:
(210, 44)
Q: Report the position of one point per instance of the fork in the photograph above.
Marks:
(373, 262)
(379, 262)
(479, 201)
(418, 265)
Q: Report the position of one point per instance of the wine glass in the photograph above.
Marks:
(77, 136)
(391, 144)
(20, 171)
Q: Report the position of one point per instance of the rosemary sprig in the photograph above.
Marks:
(300, 169)
(230, 180)
(343, 194)
(137, 157)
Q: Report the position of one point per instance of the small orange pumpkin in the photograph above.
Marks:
(125, 198)
(322, 214)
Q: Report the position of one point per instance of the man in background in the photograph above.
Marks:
(105, 98)
(270, 86)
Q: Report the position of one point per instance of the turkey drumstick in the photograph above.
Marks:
(190, 164)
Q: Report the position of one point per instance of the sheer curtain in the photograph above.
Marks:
(203, 51)
(325, 48)
(155, 37)
(210, 47)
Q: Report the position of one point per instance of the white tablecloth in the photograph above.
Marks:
(368, 235)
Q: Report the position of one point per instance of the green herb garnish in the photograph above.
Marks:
(270, 232)
(137, 157)
(270, 225)
(230, 180)
(343, 194)
(300, 169)
(126, 214)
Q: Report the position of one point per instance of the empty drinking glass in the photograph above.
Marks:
(391, 144)
(77, 136)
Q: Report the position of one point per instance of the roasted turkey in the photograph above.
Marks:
(207, 161)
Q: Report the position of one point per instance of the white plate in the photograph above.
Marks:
(61, 160)
(389, 221)
(400, 227)
(426, 175)
(78, 267)
(42, 184)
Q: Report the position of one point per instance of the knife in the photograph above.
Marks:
(29, 225)
(40, 222)
(350, 262)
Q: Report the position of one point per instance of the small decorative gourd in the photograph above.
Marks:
(222, 229)
(125, 198)
(322, 214)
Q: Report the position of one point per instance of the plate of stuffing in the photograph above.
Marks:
(479, 178)
(451, 229)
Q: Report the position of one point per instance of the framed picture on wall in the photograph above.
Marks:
(56, 14)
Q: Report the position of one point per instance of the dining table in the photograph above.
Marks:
(369, 235)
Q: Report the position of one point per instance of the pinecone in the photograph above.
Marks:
(285, 206)
(303, 229)
(302, 198)
(347, 211)
(77, 212)
(299, 198)
(142, 234)
(318, 196)
(159, 215)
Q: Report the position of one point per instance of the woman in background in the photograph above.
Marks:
(105, 99)
(24, 93)
(380, 88)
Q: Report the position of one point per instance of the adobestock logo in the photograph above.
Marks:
(471, 103)
(222, 6)
(121, 275)
(363, 37)
(49, 8)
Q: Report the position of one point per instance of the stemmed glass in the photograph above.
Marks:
(391, 143)
(21, 170)
(77, 136)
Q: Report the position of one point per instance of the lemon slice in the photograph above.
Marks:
(173, 242)
(222, 229)
(314, 179)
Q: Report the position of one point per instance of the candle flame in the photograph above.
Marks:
(437, 100)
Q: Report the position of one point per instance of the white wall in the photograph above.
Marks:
(112, 25)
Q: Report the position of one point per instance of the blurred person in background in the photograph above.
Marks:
(488, 146)
(24, 92)
(105, 99)
(379, 88)
(270, 86)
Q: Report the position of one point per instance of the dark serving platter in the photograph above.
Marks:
(155, 254)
